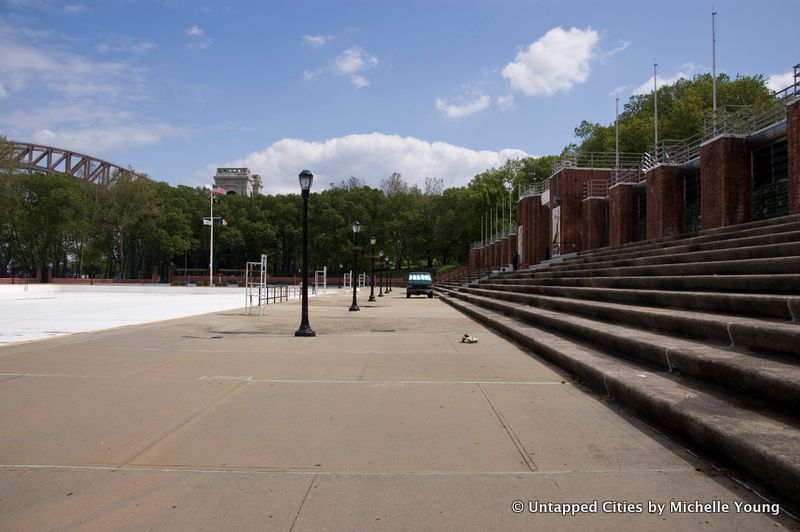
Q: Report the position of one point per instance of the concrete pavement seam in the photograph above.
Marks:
(526, 457)
(300, 509)
(181, 425)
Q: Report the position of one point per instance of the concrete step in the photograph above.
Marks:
(786, 249)
(763, 445)
(765, 336)
(760, 266)
(776, 382)
(760, 228)
(755, 305)
(762, 284)
(693, 245)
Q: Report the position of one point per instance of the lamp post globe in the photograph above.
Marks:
(306, 178)
(372, 268)
(356, 230)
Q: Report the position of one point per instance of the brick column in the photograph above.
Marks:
(621, 214)
(512, 248)
(473, 258)
(664, 201)
(726, 186)
(793, 154)
(525, 219)
(594, 234)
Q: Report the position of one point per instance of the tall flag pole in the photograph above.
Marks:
(211, 245)
(616, 127)
(655, 108)
(714, 60)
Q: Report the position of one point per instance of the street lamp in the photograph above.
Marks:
(380, 294)
(372, 275)
(306, 178)
(356, 229)
(388, 274)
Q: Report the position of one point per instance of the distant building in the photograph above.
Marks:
(238, 181)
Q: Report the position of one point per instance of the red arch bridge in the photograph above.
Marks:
(50, 160)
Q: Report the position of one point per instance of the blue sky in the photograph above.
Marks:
(426, 88)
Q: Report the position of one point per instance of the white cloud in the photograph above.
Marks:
(686, 71)
(621, 45)
(461, 110)
(557, 61)
(96, 140)
(308, 75)
(505, 102)
(73, 101)
(195, 31)
(359, 81)
(317, 41)
(198, 38)
(3, 93)
(371, 157)
(352, 62)
(619, 91)
(777, 82)
(75, 8)
(126, 45)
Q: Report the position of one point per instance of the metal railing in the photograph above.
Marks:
(626, 175)
(535, 189)
(596, 188)
(596, 160)
(673, 151)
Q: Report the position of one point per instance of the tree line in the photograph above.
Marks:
(139, 226)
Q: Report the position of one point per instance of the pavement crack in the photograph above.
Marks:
(526, 457)
(300, 509)
(364, 369)
(181, 425)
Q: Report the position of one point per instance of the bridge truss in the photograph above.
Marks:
(50, 160)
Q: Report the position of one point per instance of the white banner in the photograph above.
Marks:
(555, 232)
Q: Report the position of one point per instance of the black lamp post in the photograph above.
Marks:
(380, 263)
(372, 275)
(356, 229)
(306, 178)
(388, 274)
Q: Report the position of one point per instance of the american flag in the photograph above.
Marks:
(218, 190)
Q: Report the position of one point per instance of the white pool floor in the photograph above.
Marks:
(43, 311)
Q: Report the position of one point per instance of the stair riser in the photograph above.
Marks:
(785, 342)
(783, 394)
(780, 265)
(765, 307)
(762, 284)
(702, 329)
(758, 252)
(753, 237)
(765, 227)
(778, 472)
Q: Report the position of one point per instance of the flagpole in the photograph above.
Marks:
(211, 246)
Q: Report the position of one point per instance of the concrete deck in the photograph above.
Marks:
(383, 421)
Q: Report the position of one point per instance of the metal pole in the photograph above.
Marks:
(211, 245)
(714, 61)
(354, 306)
(655, 109)
(616, 126)
(372, 275)
(305, 328)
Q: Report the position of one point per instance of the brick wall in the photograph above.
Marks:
(567, 185)
(622, 220)
(664, 201)
(725, 183)
(595, 223)
(793, 154)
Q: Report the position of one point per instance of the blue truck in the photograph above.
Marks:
(419, 283)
